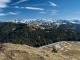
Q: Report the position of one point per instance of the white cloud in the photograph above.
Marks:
(13, 13)
(52, 4)
(34, 8)
(3, 14)
(19, 2)
(39, 4)
(42, 12)
(9, 13)
(3, 3)
(22, 7)
(31, 8)
(16, 6)
(19, 7)
(54, 12)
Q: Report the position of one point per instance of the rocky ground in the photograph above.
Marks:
(65, 51)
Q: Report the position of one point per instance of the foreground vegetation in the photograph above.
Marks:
(22, 34)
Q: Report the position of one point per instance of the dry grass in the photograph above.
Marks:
(24, 52)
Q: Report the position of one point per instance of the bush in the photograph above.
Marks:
(54, 50)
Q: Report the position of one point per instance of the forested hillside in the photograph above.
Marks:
(23, 34)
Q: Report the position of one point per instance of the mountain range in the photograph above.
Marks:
(75, 21)
(69, 24)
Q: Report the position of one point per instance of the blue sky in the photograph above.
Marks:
(43, 9)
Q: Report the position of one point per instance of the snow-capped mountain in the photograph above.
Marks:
(43, 21)
(50, 23)
(75, 21)
(64, 22)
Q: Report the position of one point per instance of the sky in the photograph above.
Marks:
(39, 9)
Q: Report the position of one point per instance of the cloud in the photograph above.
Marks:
(3, 14)
(19, 7)
(22, 7)
(9, 13)
(34, 8)
(16, 6)
(42, 12)
(19, 2)
(54, 12)
(52, 4)
(3, 3)
(31, 8)
(13, 13)
(39, 4)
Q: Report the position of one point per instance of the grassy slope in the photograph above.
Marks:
(23, 52)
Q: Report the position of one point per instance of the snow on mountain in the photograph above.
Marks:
(48, 22)
(75, 21)
(64, 22)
